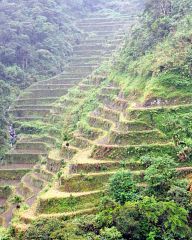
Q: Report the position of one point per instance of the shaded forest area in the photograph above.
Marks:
(36, 37)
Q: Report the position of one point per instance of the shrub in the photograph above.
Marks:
(122, 187)
(45, 230)
(110, 234)
(160, 175)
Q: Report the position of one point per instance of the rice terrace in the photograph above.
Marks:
(96, 120)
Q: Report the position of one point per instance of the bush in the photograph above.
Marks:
(122, 187)
(45, 230)
(5, 234)
(152, 219)
(110, 234)
(171, 79)
(160, 175)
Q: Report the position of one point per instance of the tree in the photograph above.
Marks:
(45, 230)
(152, 219)
(160, 175)
(180, 194)
(110, 234)
(159, 8)
(122, 187)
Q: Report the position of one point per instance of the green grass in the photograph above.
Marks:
(69, 204)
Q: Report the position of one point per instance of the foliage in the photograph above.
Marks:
(156, 58)
(5, 99)
(35, 38)
(16, 199)
(46, 229)
(174, 80)
(180, 194)
(158, 20)
(122, 187)
(5, 234)
(110, 234)
(160, 175)
(144, 219)
(162, 180)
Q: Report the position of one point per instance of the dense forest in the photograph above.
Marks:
(36, 39)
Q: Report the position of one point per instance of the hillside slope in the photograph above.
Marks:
(121, 166)
(39, 113)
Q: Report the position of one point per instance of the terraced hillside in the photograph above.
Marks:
(33, 162)
(113, 136)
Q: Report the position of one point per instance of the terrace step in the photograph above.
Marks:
(62, 80)
(132, 126)
(2, 201)
(18, 157)
(40, 146)
(45, 174)
(103, 20)
(185, 172)
(84, 183)
(116, 152)
(102, 41)
(21, 113)
(98, 122)
(35, 101)
(80, 142)
(136, 137)
(119, 104)
(35, 139)
(115, 36)
(55, 201)
(7, 216)
(93, 47)
(33, 107)
(69, 152)
(30, 118)
(16, 166)
(13, 174)
(90, 133)
(71, 75)
(94, 166)
(88, 60)
(43, 93)
(85, 87)
(51, 86)
(90, 181)
(107, 113)
(90, 53)
(28, 216)
(28, 190)
(81, 69)
(29, 151)
(110, 90)
(36, 180)
(103, 33)
(146, 112)
(56, 159)
(9, 182)
(102, 27)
